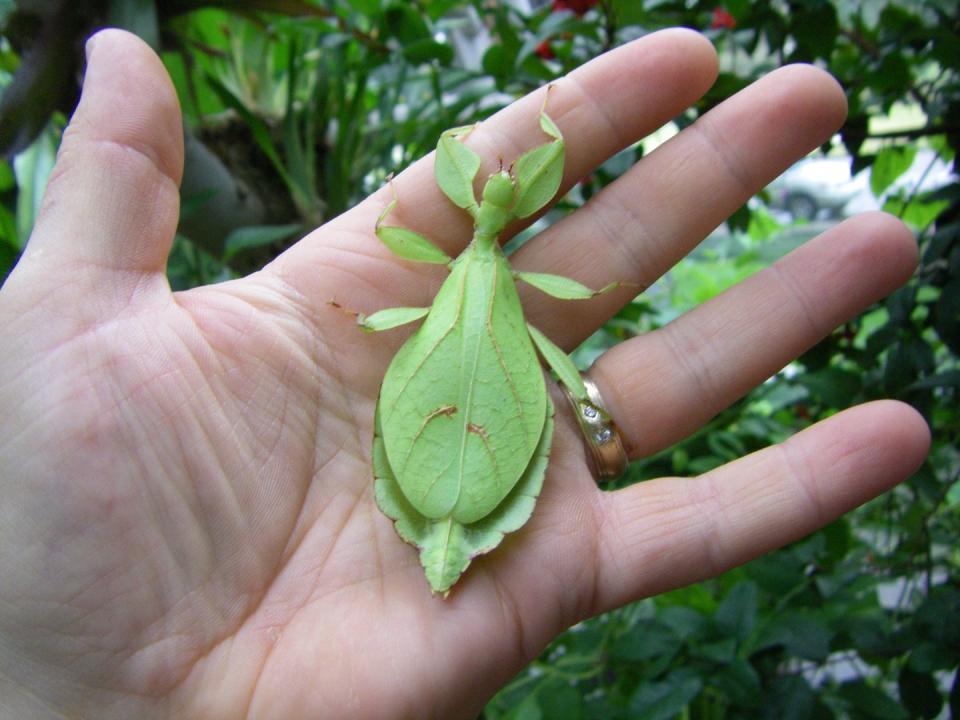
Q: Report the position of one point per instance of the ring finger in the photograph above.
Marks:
(662, 386)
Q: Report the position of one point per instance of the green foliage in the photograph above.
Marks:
(890, 164)
(313, 104)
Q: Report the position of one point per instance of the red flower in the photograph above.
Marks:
(580, 7)
(722, 20)
(545, 51)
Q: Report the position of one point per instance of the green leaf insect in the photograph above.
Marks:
(464, 422)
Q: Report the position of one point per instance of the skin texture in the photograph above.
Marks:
(188, 526)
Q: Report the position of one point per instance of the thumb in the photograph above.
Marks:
(111, 207)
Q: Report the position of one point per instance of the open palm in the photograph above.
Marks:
(188, 526)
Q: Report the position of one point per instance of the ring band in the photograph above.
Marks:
(599, 433)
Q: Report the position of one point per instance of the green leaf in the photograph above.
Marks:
(838, 536)
(762, 225)
(645, 641)
(777, 573)
(938, 618)
(893, 74)
(946, 379)
(872, 702)
(629, 12)
(254, 236)
(8, 180)
(436, 9)
(739, 681)
(933, 655)
(369, 8)
(558, 701)
(802, 634)
(919, 693)
(946, 315)
(890, 164)
(725, 444)
(405, 23)
(8, 258)
(722, 651)
(499, 62)
(900, 305)
(917, 212)
(427, 50)
(136, 16)
(834, 386)
(873, 637)
(687, 623)
(740, 9)
(818, 357)
(738, 611)
(32, 168)
(529, 709)
(665, 700)
(790, 697)
(814, 26)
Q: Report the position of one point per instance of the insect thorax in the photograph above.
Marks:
(498, 197)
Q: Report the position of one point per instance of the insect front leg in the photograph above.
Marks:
(408, 244)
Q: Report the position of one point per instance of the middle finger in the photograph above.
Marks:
(664, 385)
(651, 217)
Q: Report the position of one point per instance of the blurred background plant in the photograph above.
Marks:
(296, 109)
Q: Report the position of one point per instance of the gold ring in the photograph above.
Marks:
(599, 432)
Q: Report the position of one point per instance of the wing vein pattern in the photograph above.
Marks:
(457, 444)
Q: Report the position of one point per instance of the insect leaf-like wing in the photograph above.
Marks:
(462, 404)
(446, 546)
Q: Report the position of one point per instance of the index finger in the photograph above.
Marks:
(602, 107)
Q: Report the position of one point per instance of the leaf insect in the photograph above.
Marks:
(464, 423)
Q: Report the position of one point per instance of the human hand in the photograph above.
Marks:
(188, 526)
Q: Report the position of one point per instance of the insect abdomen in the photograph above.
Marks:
(459, 440)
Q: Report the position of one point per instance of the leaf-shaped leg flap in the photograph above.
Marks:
(455, 166)
(539, 172)
(446, 546)
(406, 243)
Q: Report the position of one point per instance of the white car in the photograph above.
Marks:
(816, 186)
(926, 173)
